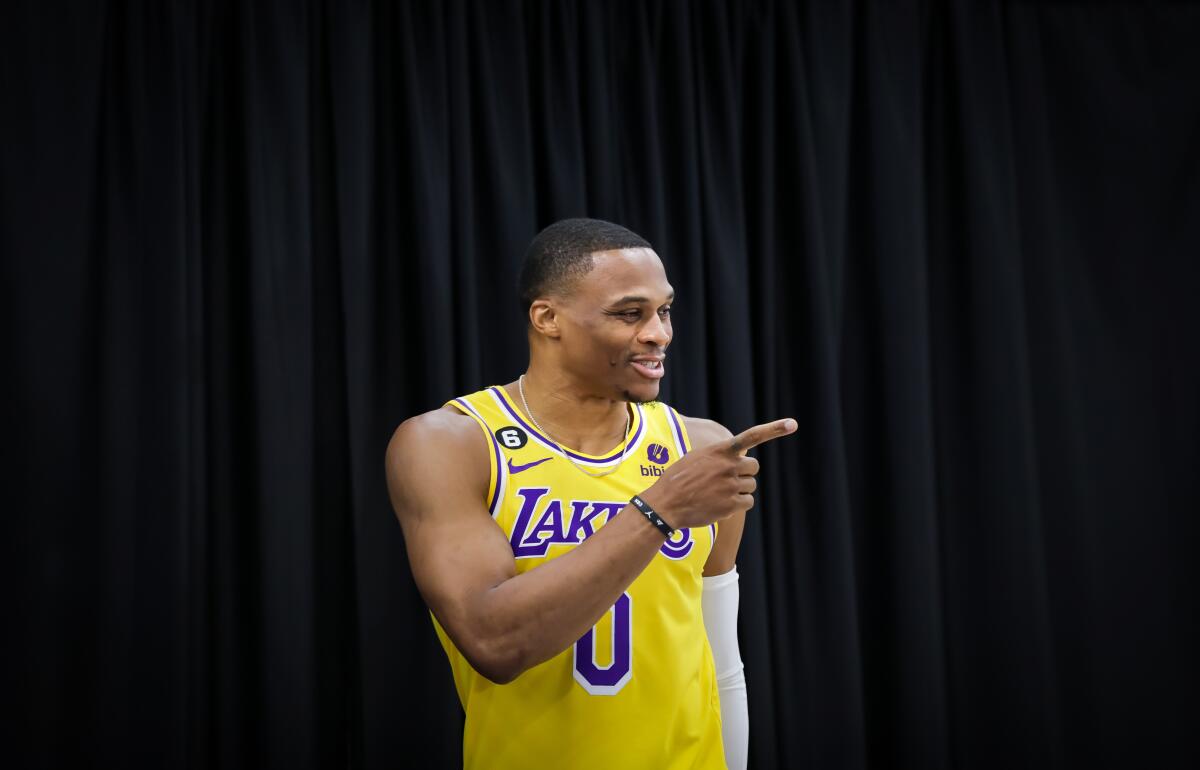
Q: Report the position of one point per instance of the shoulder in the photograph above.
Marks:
(704, 432)
(442, 426)
(439, 435)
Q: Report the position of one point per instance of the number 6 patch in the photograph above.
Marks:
(512, 437)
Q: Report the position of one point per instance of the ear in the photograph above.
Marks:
(543, 316)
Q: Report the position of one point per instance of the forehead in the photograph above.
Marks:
(625, 272)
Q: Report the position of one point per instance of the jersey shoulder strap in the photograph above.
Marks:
(480, 407)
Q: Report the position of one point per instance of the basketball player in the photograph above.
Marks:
(575, 539)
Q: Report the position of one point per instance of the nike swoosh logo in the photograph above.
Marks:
(518, 468)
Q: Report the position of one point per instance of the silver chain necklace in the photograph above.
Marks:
(558, 445)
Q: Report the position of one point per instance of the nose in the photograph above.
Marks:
(655, 332)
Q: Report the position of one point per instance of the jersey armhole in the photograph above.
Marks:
(678, 429)
(680, 433)
(495, 468)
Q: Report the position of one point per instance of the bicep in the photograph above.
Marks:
(455, 550)
(725, 550)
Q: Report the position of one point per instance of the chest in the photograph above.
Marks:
(550, 508)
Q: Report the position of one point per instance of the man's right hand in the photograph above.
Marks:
(714, 482)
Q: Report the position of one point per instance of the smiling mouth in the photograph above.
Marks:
(651, 370)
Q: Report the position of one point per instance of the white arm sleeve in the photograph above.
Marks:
(720, 604)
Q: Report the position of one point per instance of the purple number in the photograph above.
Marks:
(610, 679)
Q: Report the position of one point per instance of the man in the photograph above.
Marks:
(575, 539)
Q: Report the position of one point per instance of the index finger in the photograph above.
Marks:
(752, 437)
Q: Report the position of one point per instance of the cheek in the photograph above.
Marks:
(603, 342)
(615, 349)
(590, 349)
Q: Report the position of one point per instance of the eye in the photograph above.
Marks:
(666, 311)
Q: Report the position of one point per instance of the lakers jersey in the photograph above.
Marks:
(637, 690)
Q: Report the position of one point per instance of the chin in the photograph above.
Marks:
(641, 393)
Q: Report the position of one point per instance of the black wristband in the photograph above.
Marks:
(652, 516)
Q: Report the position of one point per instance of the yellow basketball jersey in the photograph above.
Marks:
(638, 690)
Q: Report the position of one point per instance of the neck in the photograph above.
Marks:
(573, 416)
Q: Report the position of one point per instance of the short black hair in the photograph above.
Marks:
(562, 253)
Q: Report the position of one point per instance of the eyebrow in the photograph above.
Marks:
(630, 298)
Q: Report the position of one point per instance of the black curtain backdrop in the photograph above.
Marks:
(958, 241)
